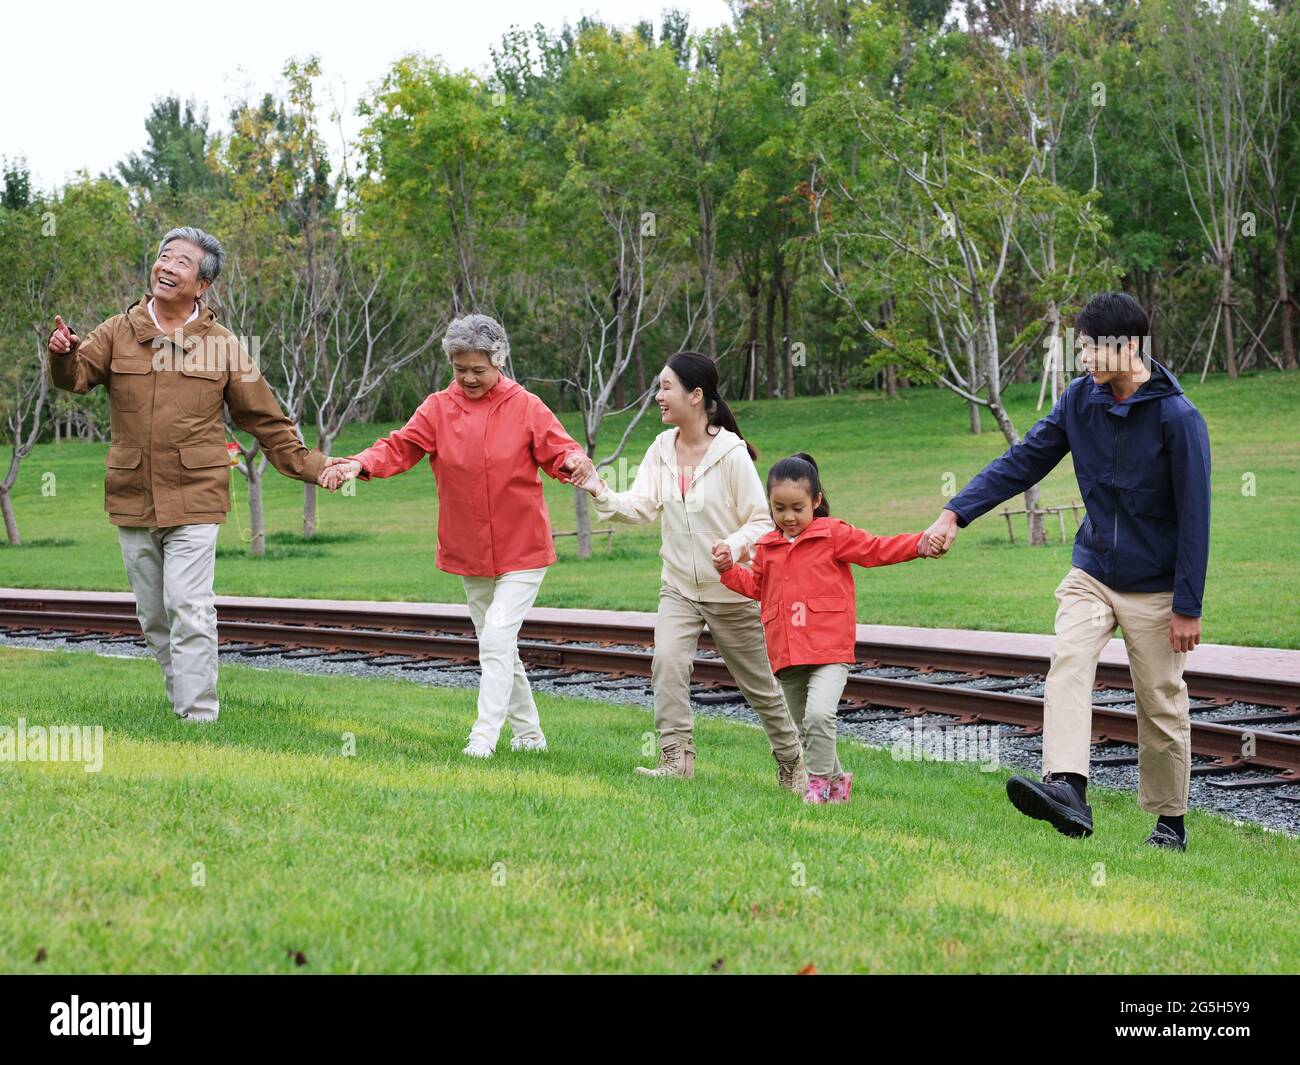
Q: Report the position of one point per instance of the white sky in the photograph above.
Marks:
(77, 81)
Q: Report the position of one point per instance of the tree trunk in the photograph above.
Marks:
(751, 344)
(1288, 308)
(11, 522)
(256, 516)
(891, 381)
(1225, 300)
(769, 337)
(786, 353)
(582, 515)
(308, 510)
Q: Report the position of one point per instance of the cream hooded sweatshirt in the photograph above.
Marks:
(725, 501)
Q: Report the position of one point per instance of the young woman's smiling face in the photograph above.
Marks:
(792, 506)
(474, 373)
(674, 401)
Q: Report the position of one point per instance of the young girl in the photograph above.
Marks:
(801, 576)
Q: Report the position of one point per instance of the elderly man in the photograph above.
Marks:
(1142, 457)
(169, 367)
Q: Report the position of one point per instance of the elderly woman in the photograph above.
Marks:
(485, 437)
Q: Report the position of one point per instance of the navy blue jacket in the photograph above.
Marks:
(1143, 467)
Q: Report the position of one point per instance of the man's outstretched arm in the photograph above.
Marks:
(1018, 468)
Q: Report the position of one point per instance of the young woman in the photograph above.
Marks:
(803, 580)
(699, 476)
(485, 437)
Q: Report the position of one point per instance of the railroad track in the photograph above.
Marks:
(893, 680)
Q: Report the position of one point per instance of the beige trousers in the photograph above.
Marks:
(171, 571)
(1085, 621)
(738, 633)
(813, 695)
(497, 606)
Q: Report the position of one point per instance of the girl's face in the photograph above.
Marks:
(792, 506)
(676, 405)
(475, 373)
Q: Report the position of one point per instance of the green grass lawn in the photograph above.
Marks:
(884, 464)
(407, 857)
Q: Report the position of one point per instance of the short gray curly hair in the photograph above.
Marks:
(214, 255)
(477, 332)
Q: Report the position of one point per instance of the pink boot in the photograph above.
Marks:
(841, 786)
(819, 789)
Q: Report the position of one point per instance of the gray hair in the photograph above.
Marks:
(477, 332)
(214, 255)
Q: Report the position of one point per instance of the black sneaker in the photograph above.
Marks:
(1164, 836)
(1053, 801)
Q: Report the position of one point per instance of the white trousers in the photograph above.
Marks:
(171, 571)
(497, 606)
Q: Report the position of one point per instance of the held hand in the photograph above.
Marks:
(592, 483)
(941, 534)
(1184, 632)
(63, 339)
(336, 471)
(579, 467)
(722, 560)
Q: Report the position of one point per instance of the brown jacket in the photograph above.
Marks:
(167, 460)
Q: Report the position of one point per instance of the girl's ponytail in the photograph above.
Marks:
(696, 370)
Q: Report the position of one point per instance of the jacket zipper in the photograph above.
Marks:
(690, 539)
(1114, 474)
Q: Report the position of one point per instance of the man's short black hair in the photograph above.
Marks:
(1112, 314)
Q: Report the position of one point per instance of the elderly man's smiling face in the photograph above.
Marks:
(175, 273)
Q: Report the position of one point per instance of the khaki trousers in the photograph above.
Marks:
(738, 633)
(1085, 621)
(497, 606)
(813, 695)
(171, 571)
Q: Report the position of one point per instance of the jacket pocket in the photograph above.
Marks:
(124, 481)
(770, 610)
(826, 602)
(205, 479)
(127, 383)
(200, 391)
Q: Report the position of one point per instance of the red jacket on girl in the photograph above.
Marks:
(806, 588)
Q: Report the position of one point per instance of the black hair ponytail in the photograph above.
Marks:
(696, 370)
(797, 468)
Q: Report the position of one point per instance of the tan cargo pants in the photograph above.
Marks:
(738, 632)
(171, 571)
(1086, 618)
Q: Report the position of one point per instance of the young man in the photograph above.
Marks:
(1142, 458)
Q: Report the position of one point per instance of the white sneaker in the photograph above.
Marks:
(478, 749)
(528, 743)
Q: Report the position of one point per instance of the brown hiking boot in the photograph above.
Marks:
(675, 760)
(791, 775)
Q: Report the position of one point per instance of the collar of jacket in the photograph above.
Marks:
(724, 442)
(818, 527)
(499, 391)
(1160, 385)
(142, 323)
